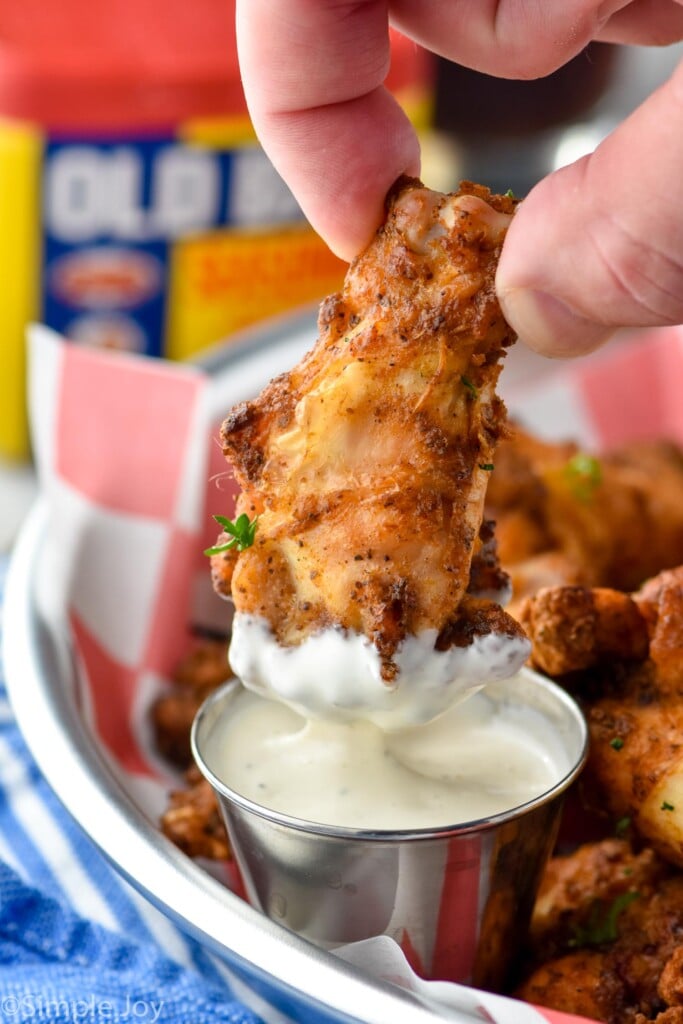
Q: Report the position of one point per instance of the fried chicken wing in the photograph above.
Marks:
(367, 464)
(596, 873)
(625, 662)
(575, 983)
(200, 672)
(611, 946)
(670, 985)
(567, 517)
(672, 1015)
(572, 628)
(193, 820)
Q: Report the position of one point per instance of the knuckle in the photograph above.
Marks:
(645, 277)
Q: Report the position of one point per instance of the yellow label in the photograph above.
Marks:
(226, 281)
(227, 132)
(230, 279)
(218, 132)
(216, 283)
(418, 104)
(20, 161)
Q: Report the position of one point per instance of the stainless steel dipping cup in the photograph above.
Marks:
(457, 899)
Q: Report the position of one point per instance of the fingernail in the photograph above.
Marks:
(548, 326)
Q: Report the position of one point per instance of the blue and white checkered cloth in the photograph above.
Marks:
(77, 943)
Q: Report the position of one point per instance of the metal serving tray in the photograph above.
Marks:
(295, 977)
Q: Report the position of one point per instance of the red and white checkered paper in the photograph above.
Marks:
(127, 453)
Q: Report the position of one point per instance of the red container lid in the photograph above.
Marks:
(127, 64)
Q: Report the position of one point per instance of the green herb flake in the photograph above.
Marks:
(622, 827)
(242, 532)
(602, 925)
(583, 473)
(488, 467)
(617, 743)
(470, 386)
(509, 194)
(666, 806)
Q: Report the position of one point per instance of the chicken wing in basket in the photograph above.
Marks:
(368, 584)
(607, 934)
(606, 937)
(623, 658)
(566, 516)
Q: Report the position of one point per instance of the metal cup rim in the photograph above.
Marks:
(389, 835)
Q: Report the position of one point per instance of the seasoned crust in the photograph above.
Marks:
(192, 820)
(364, 462)
(564, 516)
(198, 674)
(610, 947)
(572, 628)
(623, 658)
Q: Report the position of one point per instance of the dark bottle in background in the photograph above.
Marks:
(505, 130)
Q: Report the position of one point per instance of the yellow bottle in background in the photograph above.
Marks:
(20, 161)
(137, 210)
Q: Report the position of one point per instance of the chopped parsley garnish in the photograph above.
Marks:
(583, 474)
(617, 743)
(602, 925)
(509, 194)
(470, 386)
(622, 827)
(487, 466)
(666, 806)
(242, 532)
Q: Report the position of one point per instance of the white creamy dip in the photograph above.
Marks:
(478, 759)
(337, 674)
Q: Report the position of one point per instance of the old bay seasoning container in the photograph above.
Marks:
(137, 210)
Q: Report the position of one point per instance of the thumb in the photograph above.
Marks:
(598, 245)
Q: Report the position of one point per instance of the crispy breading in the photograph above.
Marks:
(636, 757)
(670, 985)
(672, 1015)
(200, 672)
(575, 983)
(612, 520)
(625, 659)
(367, 463)
(660, 601)
(571, 885)
(193, 820)
(622, 913)
(572, 628)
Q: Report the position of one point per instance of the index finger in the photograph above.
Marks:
(313, 73)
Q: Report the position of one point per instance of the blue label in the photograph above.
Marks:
(112, 210)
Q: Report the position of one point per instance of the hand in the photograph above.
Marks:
(595, 246)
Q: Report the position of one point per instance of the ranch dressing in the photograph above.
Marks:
(336, 674)
(476, 760)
